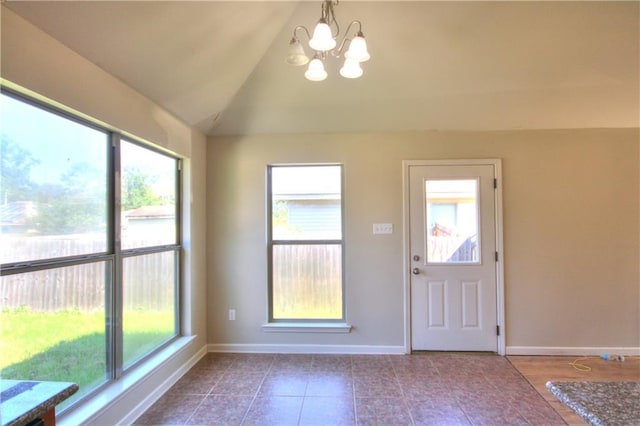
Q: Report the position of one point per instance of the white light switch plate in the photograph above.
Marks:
(383, 228)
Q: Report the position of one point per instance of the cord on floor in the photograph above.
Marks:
(579, 366)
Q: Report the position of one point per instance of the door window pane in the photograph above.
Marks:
(307, 281)
(148, 189)
(452, 221)
(149, 301)
(53, 188)
(53, 327)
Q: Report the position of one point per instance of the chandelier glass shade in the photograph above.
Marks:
(296, 55)
(358, 49)
(322, 39)
(351, 69)
(324, 44)
(316, 71)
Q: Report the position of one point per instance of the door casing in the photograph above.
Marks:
(406, 166)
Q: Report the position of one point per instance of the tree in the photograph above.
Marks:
(281, 226)
(78, 204)
(15, 172)
(136, 190)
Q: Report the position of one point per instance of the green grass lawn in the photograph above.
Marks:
(71, 346)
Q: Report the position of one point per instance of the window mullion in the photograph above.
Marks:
(305, 242)
(178, 254)
(116, 310)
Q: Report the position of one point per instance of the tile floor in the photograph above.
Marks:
(421, 389)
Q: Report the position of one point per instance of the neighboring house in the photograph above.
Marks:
(317, 214)
(146, 222)
(17, 217)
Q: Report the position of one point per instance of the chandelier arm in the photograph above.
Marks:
(338, 51)
(328, 14)
(353, 23)
(337, 28)
(301, 27)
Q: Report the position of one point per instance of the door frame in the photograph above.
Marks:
(406, 166)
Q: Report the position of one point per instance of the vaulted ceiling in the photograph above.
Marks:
(219, 65)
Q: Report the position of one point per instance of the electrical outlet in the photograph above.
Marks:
(232, 314)
(383, 228)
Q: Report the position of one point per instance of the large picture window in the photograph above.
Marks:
(89, 250)
(306, 243)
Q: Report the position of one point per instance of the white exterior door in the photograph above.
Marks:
(453, 256)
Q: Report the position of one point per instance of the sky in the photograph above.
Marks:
(306, 180)
(58, 143)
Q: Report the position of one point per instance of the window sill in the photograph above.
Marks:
(306, 327)
(86, 411)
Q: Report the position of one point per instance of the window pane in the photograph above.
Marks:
(148, 197)
(306, 203)
(57, 201)
(149, 299)
(452, 221)
(52, 326)
(307, 281)
(53, 188)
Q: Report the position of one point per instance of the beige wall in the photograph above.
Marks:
(570, 232)
(33, 60)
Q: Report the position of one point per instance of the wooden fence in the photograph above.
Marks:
(452, 249)
(307, 281)
(148, 279)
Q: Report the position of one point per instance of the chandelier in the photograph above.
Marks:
(324, 43)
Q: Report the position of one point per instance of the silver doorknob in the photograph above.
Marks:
(415, 271)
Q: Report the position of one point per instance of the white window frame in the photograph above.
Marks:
(303, 324)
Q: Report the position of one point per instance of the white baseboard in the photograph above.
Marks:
(571, 351)
(307, 349)
(154, 396)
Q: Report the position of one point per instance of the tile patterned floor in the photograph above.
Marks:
(422, 389)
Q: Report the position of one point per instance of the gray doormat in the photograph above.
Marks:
(601, 403)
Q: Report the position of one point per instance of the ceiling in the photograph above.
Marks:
(219, 65)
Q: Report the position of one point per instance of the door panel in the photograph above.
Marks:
(452, 232)
(470, 304)
(436, 301)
